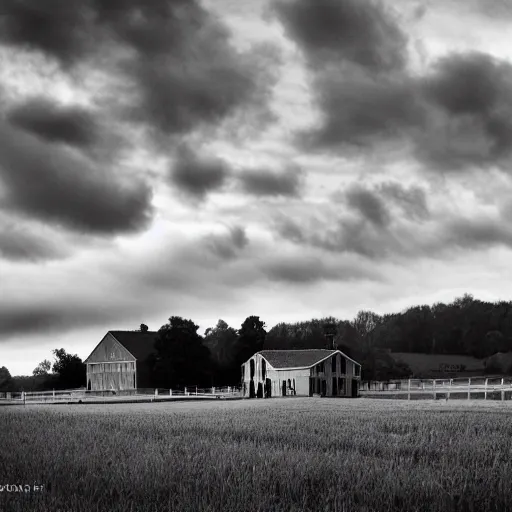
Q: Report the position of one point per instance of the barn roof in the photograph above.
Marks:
(297, 358)
(139, 344)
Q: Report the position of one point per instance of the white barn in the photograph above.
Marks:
(300, 373)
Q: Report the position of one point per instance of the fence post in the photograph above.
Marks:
(229, 390)
(54, 395)
(213, 390)
(485, 393)
(449, 389)
(156, 392)
(196, 390)
(170, 392)
(434, 387)
(409, 389)
(469, 388)
(186, 394)
(502, 391)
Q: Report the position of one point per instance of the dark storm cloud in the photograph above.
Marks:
(71, 125)
(357, 53)
(358, 31)
(264, 182)
(227, 246)
(375, 223)
(57, 28)
(456, 116)
(472, 93)
(20, 245)
(54, 184)
(53, 317)
(411, 201)
(175, 68)
(369, 205)
(360, 110)
(197, 174)
(477, 233)
(310, 269)
(399, 242)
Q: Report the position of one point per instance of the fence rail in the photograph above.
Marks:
(447, 387)
(84, 396)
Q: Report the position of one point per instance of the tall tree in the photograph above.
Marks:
(70, 369)
(251, 337)
(43, 368)
(5, 378)
(181, 357)
(221, 340)
(365, 323)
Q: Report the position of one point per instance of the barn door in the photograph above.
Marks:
(284, 388)
(268, 388)
(354, 388)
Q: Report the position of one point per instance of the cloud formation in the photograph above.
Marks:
(266, 182)
(471, 125)
(53, 183)
(369, 205)
(197, 173)
(19, 244)
(454, 116)
(361, 32)
(71, 125)
(306, 270)
(172, 62)
(228, 245)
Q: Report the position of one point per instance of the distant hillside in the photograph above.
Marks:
(440, 365)
(466, 327)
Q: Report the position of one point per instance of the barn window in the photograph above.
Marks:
(333, 360)
(343, 368)
(243, 372)
(357, 370)
(252, 369)
(320, 367)
(263, 369)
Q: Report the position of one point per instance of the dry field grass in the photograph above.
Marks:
(259, 455)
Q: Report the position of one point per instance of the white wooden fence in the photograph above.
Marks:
(465, 387)
(84, 396)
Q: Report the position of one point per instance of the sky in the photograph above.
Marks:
(291, 159)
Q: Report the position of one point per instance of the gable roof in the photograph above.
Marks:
(139, 344)
(281, 359)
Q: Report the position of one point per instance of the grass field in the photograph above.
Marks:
(259, 455)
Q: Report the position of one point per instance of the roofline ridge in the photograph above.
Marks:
(294, 349)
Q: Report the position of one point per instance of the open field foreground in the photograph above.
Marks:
(259, 455)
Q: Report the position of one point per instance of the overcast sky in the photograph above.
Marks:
(227, 158)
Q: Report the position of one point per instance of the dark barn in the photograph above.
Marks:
(119, 361)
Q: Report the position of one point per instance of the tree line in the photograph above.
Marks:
(183, 357)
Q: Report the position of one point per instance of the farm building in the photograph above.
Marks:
(119, 361)
(300, 372)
